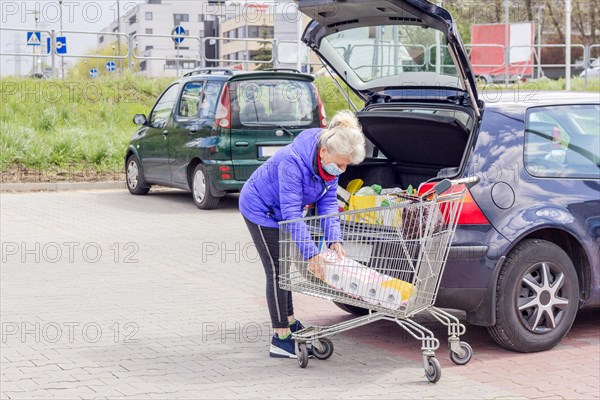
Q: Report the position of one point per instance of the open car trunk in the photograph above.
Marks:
(408, 146)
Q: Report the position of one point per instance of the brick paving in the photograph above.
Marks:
(107, 295)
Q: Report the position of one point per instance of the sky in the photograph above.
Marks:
(78, 15)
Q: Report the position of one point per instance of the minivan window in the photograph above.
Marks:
(563, 141)
(273, 102)
(210, 99)
(190, 99)
(387, 50)
(163, 108)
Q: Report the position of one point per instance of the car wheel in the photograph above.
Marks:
(201, 189)
(537, 297)
(134, 177)
(352, 309)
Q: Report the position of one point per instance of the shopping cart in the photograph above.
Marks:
(394, 260)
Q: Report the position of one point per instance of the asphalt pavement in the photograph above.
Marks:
(107, 295)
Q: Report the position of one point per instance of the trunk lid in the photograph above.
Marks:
(381, 45)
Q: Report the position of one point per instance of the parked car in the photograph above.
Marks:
(210, 130)
(526, 254)
(593, 71)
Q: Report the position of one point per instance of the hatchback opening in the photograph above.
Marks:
(409, 145)
(273, 102)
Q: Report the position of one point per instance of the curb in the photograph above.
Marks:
(59, 186)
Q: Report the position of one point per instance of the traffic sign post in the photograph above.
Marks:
(177, 33)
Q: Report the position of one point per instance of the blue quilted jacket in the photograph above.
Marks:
(287, 182)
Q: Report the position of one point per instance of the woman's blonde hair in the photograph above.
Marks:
(343, 136)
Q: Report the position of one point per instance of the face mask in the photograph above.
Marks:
(331, 169)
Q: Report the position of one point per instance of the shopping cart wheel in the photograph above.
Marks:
(458, 360)
(327, 349)
(302, 355)
(434, 370)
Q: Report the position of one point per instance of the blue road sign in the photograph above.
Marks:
(180, 31)
(93, 73)
(34, 38)
(61, 45)
(111, 66)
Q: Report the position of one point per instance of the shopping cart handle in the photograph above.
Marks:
(469, 181)
(443, 186)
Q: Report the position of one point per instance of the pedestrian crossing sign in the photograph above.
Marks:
(34, 39)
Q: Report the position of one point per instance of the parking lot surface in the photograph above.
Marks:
(107, 295)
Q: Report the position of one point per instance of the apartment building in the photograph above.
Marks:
(246, 35)
(159, 56)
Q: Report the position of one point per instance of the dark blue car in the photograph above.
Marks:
(526, 254)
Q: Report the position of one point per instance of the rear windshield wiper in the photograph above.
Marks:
(283, 128)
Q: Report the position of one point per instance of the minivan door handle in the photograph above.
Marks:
(242, 144)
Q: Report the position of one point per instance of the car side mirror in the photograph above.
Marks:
(140, 119)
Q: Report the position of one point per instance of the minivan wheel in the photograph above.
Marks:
(134, 177)
(537, 297)
(201, 189)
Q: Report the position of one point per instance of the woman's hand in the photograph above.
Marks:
(339, 249)
(315, 265)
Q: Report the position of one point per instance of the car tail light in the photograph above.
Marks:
(222, 116)
(224, 168)
(225, 176)
(322, 113)
(471, 213)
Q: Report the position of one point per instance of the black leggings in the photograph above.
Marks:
(279, 301)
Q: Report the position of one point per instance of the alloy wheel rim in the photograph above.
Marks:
(132, 174)
(199, 186)
(542, 297)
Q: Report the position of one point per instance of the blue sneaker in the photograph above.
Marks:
(296, 326)
(282, 348)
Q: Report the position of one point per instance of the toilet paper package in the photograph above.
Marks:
(366, 284)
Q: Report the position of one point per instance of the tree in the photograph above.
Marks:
(265, 53)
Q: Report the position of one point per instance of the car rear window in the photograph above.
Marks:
(273, 102)
(563, 141)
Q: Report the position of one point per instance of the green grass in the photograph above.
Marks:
(46, 124)
(55, 123)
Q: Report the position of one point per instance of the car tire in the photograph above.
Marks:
(201, 191)
(359, 311)
(134, 177)
(537, 297)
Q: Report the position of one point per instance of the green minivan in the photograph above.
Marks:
(211, 129)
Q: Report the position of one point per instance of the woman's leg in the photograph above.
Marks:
(278, 300)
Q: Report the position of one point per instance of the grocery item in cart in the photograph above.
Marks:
(363, 283)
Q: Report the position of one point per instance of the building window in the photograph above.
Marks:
(116, 29)
(101, 39)
(154, 1)
(253, 31)
(241, 32)
(200, 17)
(132, 20)
(148, 15)
(179, 18)
(149, 31)
(143, 66)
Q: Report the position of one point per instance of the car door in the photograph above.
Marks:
(378, 45)
(185, 130)
(153, 146)
(193, 134)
